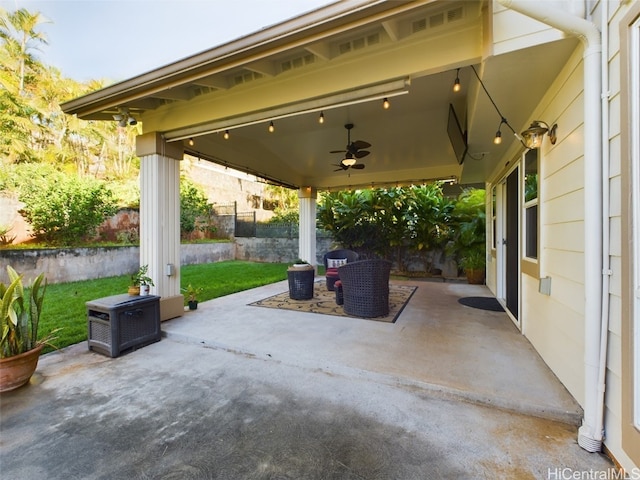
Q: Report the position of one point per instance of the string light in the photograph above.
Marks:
(456, 84)
(226, 135)
(191, 142)
(272, 127)
(386, 104)
(321, 118)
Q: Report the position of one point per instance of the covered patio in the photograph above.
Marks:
(239, 391)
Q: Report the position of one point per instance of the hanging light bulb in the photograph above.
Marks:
(497, 140)
(321, 118)
(226, 135)
(272, 127)
(191, 142)
(386, 104)
(456, 83)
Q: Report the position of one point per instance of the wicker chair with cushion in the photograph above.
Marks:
(365, 287)
(334, 259)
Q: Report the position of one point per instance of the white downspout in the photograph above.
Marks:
(590, 433)
(606, 239)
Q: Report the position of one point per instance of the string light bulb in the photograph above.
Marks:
(321, 118)
(226, 135)
(191, 142)
(386, 104)
(272, 127)
(456, 83)
(497, 140)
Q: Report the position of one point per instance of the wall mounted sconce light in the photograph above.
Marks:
(456, 83)
(532, 136)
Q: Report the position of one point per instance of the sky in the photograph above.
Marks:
(115, 40)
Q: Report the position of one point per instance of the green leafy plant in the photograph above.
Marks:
(473, 260)
(20, 314)
(468, 235)
(141, 278)
(194, 208)
(192, 292)
(63, 210)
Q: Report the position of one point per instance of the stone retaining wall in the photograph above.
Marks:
(73, 264)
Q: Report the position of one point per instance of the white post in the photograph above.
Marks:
(160, 219)
(307, 238)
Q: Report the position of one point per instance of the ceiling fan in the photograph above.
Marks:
(353, 151)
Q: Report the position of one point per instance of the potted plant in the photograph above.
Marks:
(474, 264)
(19, 318)
(192, 296)
(299, 263)
(140, 281)
(468, 242)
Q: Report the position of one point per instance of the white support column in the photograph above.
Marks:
(160, 218)
(307, 238)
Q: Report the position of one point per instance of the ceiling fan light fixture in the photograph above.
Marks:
(348, 160)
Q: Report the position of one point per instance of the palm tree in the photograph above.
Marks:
(18, 30)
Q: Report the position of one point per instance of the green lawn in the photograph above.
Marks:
(64, 303)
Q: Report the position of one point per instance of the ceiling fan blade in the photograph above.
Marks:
(361, 153)
(360, 144)
(358, 166)
(342, 166)
(338, 151)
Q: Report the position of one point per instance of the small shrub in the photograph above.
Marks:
(64, 210)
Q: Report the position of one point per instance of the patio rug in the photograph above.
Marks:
(483, 303)
(324, 302)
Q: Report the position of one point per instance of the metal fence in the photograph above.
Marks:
(245, 224)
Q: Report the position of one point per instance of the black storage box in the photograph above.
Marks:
(122, 323)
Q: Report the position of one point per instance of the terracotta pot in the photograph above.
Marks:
(134, 290)
(17, 370)
(475, 276)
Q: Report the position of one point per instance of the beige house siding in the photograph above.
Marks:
(555, 323)
(617, 424)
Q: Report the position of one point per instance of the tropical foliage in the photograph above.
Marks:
(194, 208)
(385, 222)
(33, 128)
(20, 313)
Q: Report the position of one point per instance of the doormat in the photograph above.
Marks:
(324, 302)
(482, 303)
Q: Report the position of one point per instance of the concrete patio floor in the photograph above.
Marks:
(243, 392)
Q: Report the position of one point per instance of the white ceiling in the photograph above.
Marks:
(409, 142)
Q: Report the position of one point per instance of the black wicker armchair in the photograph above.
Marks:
(331, 272)
(365, 287)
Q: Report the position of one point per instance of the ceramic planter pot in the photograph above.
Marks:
(17, 370)
(475, 276)
(193, 304)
